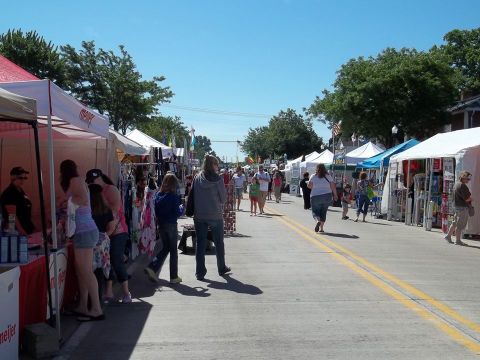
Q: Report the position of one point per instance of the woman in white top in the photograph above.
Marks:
(322, 188)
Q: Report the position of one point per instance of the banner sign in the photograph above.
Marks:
(339, 157)
(62, 259)
(448, 169)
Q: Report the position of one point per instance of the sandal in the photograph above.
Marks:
(86, 318)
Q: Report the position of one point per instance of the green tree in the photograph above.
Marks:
(463, 51)
(203, 146)
(287, 132)
(255, 143)
(33, 53)
(406, 88)
(111, 83)
(161, 128)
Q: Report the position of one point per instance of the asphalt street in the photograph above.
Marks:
(375, 290)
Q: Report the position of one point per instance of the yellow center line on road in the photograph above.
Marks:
(447, 328)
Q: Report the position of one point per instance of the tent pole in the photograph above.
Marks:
(53, 216)
(407, 207)
(42, 214)
(428, 225)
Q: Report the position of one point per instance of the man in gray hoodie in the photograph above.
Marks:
(209, 198)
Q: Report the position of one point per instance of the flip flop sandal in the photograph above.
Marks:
(87, 318)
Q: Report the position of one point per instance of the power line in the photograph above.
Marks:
(217, 112)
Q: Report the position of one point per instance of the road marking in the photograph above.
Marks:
(438, 321)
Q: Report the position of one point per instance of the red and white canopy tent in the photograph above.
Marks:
(60, 117)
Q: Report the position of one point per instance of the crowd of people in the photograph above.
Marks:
(96, 221)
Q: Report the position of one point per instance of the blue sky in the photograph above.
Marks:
(249, 56)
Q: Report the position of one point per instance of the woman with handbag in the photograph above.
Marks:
(463, 208)
(322, 189)
(103, 218)
(119, 238)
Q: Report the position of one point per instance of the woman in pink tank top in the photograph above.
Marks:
(119, 237)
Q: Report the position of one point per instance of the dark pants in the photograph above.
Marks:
(117, 250)
(168, 236)
(306, 201)
(363, 202)
(201, 228)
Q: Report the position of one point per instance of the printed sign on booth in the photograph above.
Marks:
(62, 258)
(9, 318)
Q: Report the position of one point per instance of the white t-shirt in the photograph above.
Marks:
(239, 180)
(263, 176)
(321, 186)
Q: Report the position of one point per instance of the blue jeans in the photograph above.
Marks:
(320, 204)
(117, 250)
(201, 230)
(168, 235)
(363, 202)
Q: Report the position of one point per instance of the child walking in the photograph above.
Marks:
(254, 194)
(168, 209)
(346, 200)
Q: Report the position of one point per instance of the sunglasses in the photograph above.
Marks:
(22, 178)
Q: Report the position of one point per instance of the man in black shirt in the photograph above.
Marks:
(14, 195)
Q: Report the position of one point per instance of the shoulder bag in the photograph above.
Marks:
(190, 208)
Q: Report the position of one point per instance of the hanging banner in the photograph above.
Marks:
(448, 169)
(437, 165)
(339, 157)
(393, 170)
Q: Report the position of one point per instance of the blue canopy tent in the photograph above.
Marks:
(382, 160)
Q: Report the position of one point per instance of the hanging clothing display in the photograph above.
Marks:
(148, 229)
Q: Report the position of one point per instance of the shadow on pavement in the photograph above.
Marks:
(124, 325)
(344, 236)
(238, 235)
(233, 285)
(270, 215)
(185, 290)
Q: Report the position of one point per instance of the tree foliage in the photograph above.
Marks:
(203, 146)
(406, 88)
(111, 83)
(463, 51)
(33, 53)
(287, 133)
(107, 81)
(161, 128)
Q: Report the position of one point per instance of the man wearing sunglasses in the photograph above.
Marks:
(13, 197)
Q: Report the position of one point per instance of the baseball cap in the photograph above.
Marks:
(18, 170)
(93, 174)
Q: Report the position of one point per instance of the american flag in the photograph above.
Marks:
(337, 128)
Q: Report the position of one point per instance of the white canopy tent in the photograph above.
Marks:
(126, 145)
(365, 151)
(326, 157)
(464, 146)
(60, 116)
(149, 142)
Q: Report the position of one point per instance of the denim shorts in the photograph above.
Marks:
(86, 240)
(238, 192)
(320, 204)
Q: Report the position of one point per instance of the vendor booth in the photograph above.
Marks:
(149, 142)
(362, 153)
(326, 158)
(424, 176)
(19, 113)
(66, 130)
